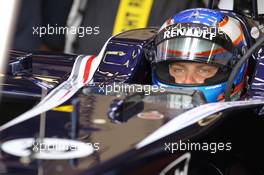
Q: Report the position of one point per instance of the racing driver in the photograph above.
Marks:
(197, 49)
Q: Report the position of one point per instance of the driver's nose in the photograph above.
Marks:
(189, 78)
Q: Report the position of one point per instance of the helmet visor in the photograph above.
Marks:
(192, 61)
(193, 49)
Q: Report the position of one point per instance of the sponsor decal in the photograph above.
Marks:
(257, 31)
(150, 115)
(254, 32)
(179, 166)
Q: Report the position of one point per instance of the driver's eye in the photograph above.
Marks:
(178, 70)
(205, 72)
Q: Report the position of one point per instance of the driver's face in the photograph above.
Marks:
(191, 73)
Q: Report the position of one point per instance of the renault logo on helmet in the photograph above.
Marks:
(191, 31)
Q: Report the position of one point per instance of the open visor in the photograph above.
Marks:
(191, 49)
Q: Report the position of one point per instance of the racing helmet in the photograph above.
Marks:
(200, 37)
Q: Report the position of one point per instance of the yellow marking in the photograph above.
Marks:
(99, 121)
(65, 108)
(132, 14)
(47, 79)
